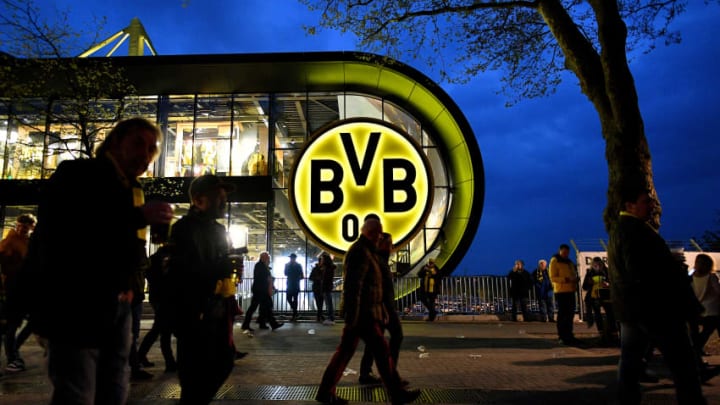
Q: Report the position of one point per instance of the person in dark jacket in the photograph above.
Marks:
(199, 268)
(653, 301)
(294, 273)
(87, 279)
(323, 279)
(262, 291)
(520, 285)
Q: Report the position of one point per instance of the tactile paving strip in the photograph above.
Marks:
(308, 392)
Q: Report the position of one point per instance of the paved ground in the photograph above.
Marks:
(451, 362)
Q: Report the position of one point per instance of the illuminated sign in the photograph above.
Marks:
(354, 168)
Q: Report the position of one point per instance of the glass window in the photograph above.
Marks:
(353, 105)
(397, 116)
(141, 106)
(211, 146)
(250, 138)
(178, 113)
(25, 140)
(248, 228)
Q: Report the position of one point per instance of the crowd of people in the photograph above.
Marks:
(193, 276)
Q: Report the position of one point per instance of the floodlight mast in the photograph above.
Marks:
(139, 40)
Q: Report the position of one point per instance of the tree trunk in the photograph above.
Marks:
(606, 80)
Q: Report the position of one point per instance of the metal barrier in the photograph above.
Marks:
(467, 295)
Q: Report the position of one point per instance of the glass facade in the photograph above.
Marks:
(226, 135)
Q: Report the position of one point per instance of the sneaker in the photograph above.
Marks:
(277, 326)
(15, 366)
(328, 322)
(240, 355)
(369, 380)
(247, 329)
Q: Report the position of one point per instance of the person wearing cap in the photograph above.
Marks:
(198, 267)
(430, 277)
(83, 304)
(294, 273)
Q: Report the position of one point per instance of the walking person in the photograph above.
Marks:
(159, 298)
(393, 326)
(262, 290)
(544, 291)
(294, 273)
(85, 296)
(653, 301)
(564, 277)
(365, 315)
(13, 249)
(200, 273)
(520, 285)
(429, 287)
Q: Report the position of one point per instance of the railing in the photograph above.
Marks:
(458, 295)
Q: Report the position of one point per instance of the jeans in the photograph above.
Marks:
(673, 339)
(547, 307)
(89, 376)
(329, 305)
(520, 303)
(292, 299)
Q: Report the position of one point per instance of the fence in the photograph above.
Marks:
(458, 295)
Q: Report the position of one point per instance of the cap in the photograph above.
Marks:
(206, 183)
(293, 255)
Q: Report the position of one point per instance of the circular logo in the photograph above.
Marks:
(358, 167)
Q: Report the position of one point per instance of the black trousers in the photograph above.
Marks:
(205, 358)
(565, 315)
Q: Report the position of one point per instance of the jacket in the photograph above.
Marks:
(520, 283)
(560, 270)
(429, 279)
(199, 258)
(363, 285)
(89, 269)
(543, 285)
(647, 284)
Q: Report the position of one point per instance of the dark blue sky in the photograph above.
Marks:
(546, 175)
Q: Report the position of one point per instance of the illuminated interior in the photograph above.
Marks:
(255, 133)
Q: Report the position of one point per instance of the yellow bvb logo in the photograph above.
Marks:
(354, 168)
